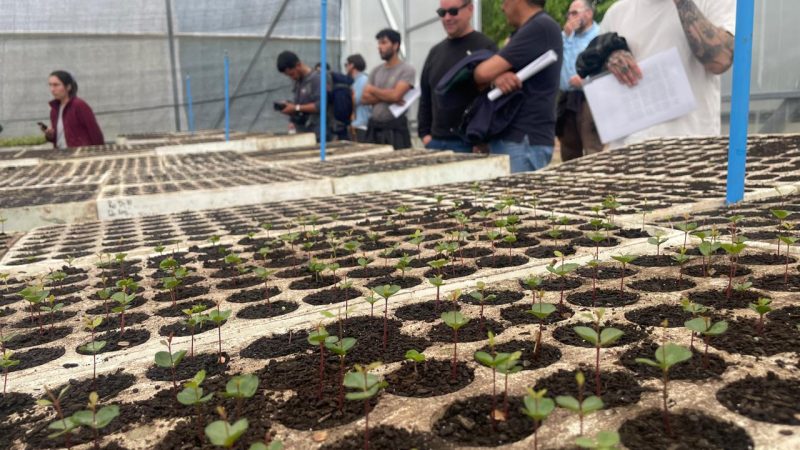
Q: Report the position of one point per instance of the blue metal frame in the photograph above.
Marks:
(227, 99)
(189, 104)
(323, 89)
(740, 101)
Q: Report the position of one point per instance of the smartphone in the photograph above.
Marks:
(279, 106)
(42, 126)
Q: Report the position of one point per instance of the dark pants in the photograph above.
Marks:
(575, 127)
(392, 132)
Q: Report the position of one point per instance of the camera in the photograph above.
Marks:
(279, 106)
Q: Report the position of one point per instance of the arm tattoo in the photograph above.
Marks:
(710, 44)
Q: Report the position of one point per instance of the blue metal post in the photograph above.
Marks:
(189, 103)
(323, 89)
(227, 99)
(740, 100)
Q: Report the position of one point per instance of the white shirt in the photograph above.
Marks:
(61, 138)
(652, 26)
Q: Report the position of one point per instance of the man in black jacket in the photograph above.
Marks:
(437, 122)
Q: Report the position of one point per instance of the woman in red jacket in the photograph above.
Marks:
(72, 121)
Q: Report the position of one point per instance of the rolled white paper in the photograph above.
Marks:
(536, 66)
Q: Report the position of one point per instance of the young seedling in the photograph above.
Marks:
(533, 282)
(417, 239)
(168, 359)
(733, 250)
(402, 265)
(687, 227)
(624, 260)
(35, 295)
(694, 309)
(437, 281)
(599, 338)
(7, 362)
(64, 426)
(340, 347)
(416, 358)
(218, 317)
(480, 296)
(491, 360)
(789, 241)
(704, 327)
(537, 407)
(316, 267)
(603, 440)
(455, 320)
(508, 366)
(192, 395)
(561, 272)
(241, 387)
(366, 386)
(224, 434)
(657, 240)
(541, 311)
(781, 215)
(386, 291)
(93, 347)
(371, 299)
(52, 309)
(761, 308)
(94, 418)
(667, 355)
(194, 319)
(437, 265)
(581, 406)
(265, 275)
(317, 338)
(123, 304)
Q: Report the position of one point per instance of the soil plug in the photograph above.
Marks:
(317, 338)
(94, 418)
(455, 320)
(624, 260)
(761, 308)
(223, 434)
(415, 357)
(385, 292)
(704, 327)
(64, 426)
(93, 347)
(6, 363)
(340, 347)
(603, 440)
(366, 386)
(582, 407)
(598, 338)
(537, 407)
(241, 387)
(168, 359)
(192, 395)
(667, 355)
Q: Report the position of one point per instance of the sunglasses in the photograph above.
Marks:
(452, 11)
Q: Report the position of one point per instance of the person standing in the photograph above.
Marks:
(574, 125)
(530, 136)
(72, 121)
(303, 111)
(388, 83)
(355, 67)
(437, 122)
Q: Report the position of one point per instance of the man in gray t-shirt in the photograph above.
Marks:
(387, 85)
(303, 112)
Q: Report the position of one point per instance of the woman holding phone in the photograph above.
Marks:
(72, 121)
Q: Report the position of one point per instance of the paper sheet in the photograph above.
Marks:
(663, 94)
(411, 96)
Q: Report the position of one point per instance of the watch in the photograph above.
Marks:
(297, 108)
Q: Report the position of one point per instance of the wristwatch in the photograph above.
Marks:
(297, 108)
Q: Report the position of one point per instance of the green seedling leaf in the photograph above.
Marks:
(542, 310)
(604, 440)
(93, 347)
(587, 334)
(609, 335)
(454, 319)
(162, 359)
(537, 406)
(242, 386)
(667, 356)
(415, 356)
(223, 434)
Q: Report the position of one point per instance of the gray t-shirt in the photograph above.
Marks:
(306, 90)
(386, 78)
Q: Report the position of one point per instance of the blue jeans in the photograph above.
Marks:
(456, 145)
(524, 156)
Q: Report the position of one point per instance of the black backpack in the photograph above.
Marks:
(341, 97)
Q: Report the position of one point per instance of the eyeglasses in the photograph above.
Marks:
(574, 13)
(452, 11)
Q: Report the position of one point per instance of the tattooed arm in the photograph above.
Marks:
(711, 45)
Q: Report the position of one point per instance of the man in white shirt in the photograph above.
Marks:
(701, 30)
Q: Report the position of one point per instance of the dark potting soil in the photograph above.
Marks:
(305, 411)
(116, 341)
(547, 251)
(288, 261)
(662, 284)
(370, 272)
(603, 297)
(618, 388)
(715, 270)
(567, 234)
(33, 337)
(432, 377)
(654, 261)
(369, 334)
(277, 345)
(765, 259)
(693, 369)
(605, 272)
(566, 334)
(386, 437)
(546, 355)
(556, 284)
(265, 311)
(177, 310)
(500, 261)
(777, 283)
(404, 282)
(47, 319)
(586, 242)
(114, 321)
(789, 315)
(718, 299)
(471, 332)
(473, 252)
(332, 296)
(313, 282)
(101, 308)
(66, 290)
(179, 328)
(766, 399)
(190, 365)
(107, 387)
(14, 402)
(693, 431)
(468, 422)
(36, 357)
(523, 241)
(429, 311)
(253, 295)
(294, 272)
(239, 283)
(182, 293)
(501, 297)
(632, 234)
(654, 316)
(452, 271)
(519, 314)
(180, 257)
(743, 338)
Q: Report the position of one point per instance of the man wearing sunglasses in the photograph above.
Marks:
(436, 121)
(530, 135)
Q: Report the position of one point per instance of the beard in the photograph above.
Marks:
(388, 55)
